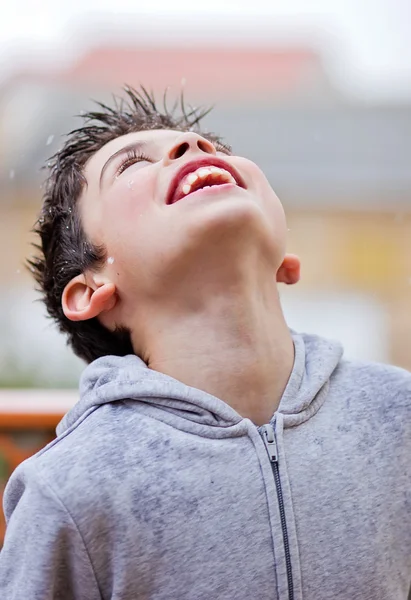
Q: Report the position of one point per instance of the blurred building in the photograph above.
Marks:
(341, 169)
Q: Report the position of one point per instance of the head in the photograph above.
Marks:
(141, 210)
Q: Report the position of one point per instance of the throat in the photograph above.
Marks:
(245, 362)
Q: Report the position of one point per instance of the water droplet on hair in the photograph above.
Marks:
(110, 260)
(67, 227)
(50, 140)
(69, 210)
(12, 173)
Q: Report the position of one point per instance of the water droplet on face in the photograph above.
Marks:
(12, 173)
(18, 271)
(50, 140)
(110, 260)
(130, 184)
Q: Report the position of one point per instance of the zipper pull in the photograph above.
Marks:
(270, 442)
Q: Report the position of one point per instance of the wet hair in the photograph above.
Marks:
(63, 250)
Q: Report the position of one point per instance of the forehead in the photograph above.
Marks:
(154, 138)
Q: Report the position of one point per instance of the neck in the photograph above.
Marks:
(236, 347)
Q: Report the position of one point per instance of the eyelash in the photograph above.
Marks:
(131, 158)
(221, 147)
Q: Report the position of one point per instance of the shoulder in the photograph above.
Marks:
(383, 387)
(86, 458)
(376, 376)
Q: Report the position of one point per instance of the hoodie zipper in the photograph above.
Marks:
(268, 435)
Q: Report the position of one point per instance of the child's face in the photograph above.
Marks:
(154, 238)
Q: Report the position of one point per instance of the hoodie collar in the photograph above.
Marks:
(118, 378)
(315, 361)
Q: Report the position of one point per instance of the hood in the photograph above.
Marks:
(117, 378)
(315, 361)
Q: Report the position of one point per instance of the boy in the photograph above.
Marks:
(213, 454)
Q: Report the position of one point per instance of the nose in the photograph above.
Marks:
(188, 143)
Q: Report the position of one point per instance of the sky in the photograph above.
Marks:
(366, 44)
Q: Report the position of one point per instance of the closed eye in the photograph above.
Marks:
(130, 159)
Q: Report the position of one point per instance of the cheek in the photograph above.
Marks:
(130, 198)
(267, 199)
(254, 178)
(258, 184)
(128, 212)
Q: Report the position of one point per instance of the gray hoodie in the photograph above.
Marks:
(157, 491)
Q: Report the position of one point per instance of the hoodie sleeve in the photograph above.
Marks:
(43, 557)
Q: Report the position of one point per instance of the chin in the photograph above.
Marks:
(219, 242)
(230, 226)
(235, 209)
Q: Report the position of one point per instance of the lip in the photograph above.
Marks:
(193, 165)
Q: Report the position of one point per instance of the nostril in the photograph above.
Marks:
(180, 150)
(204, 146)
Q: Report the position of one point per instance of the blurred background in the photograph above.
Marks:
(317, 93)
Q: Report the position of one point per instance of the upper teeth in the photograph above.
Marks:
(203, 173)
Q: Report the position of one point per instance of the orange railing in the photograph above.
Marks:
(28, 419)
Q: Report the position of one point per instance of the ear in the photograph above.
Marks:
(289, 272)
(80, 301)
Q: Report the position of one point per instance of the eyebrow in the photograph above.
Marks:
(124, 150)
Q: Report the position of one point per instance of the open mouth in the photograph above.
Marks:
(201, 174)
